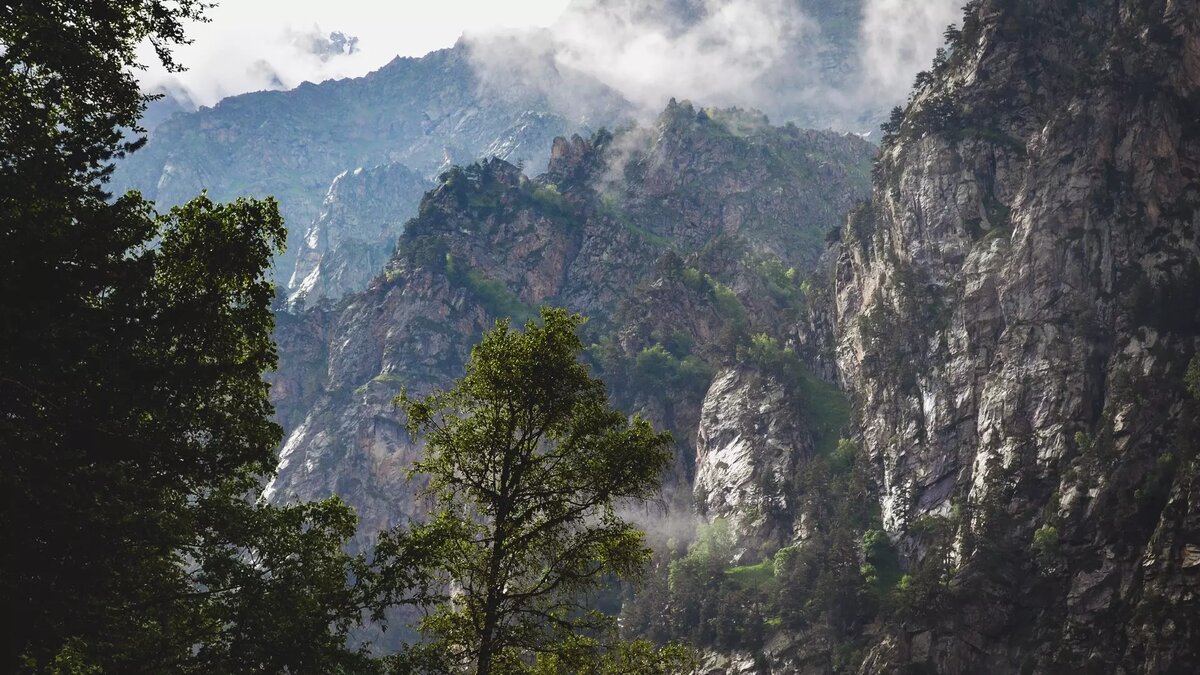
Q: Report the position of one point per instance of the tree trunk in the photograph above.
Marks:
(487, 636)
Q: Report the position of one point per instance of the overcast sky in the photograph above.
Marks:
(250, 41)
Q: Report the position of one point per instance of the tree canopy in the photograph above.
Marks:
(134, 420)
(136, 426)
(527, 463)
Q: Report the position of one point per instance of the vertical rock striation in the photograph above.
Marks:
(1015, 311)
(356, 231)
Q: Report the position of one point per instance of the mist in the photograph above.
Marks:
(279, 44)
(840, 65)
(243, 61)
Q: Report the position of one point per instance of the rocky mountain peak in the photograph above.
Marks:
(671, 278)
(567, 157)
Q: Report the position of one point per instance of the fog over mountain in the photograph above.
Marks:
(836, 64)
(818, 63)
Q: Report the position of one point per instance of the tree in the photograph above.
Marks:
(134, 421)
(527, 463)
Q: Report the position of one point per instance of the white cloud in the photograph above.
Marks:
(766, 54)
(717, 58)
(900, 38)
(263, 44)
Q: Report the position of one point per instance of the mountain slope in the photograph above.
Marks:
(353, 236)
(682, 214)
(425, 113)
(1015, 314)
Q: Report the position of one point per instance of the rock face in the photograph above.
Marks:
(427, 114)
(361, 219)
(618, 226)
(1015, 311)
(750, 440)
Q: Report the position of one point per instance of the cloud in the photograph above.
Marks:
(272, 44)
(718, 53)
(822, 63)
(842, 66)
(238, 61)
(900, 38)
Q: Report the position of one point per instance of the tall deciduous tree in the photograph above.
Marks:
(134, 421)
(528, 462)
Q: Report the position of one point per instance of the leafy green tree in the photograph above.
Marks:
(527, 462)
(134, 421)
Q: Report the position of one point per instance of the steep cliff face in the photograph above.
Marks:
(678, 215)
(356, 231)
(751, 438)
(1015, 311)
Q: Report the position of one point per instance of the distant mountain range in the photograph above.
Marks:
(427, 114)
(502, 96)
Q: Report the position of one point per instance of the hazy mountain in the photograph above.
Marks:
(427, 113)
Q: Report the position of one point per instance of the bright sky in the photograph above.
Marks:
(249, 41)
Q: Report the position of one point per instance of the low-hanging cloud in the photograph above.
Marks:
(899, 40)
(822, 63)
(271, 44)
(842, 67)
(257, 61)
(719, 55)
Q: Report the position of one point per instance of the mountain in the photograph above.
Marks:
(356, 230)
(1015, 315)
(954, 431)
(427, 114)
(681, 241)
(162, 109)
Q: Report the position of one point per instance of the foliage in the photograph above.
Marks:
(552, 203)
(923, 593)
(783, 284)
(136, 421)
(766, 354)
(1046, 545)
(68, 82)
(826, 408)
(494, 295)
(724, 300)
(526, 462)
(161, 560)
(584, 656)
(1192, 378)
(838, 580)
(655, 367)
(712, 604)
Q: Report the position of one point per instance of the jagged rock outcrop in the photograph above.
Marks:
(1015, 312)
(361, 219)
(346, 437)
